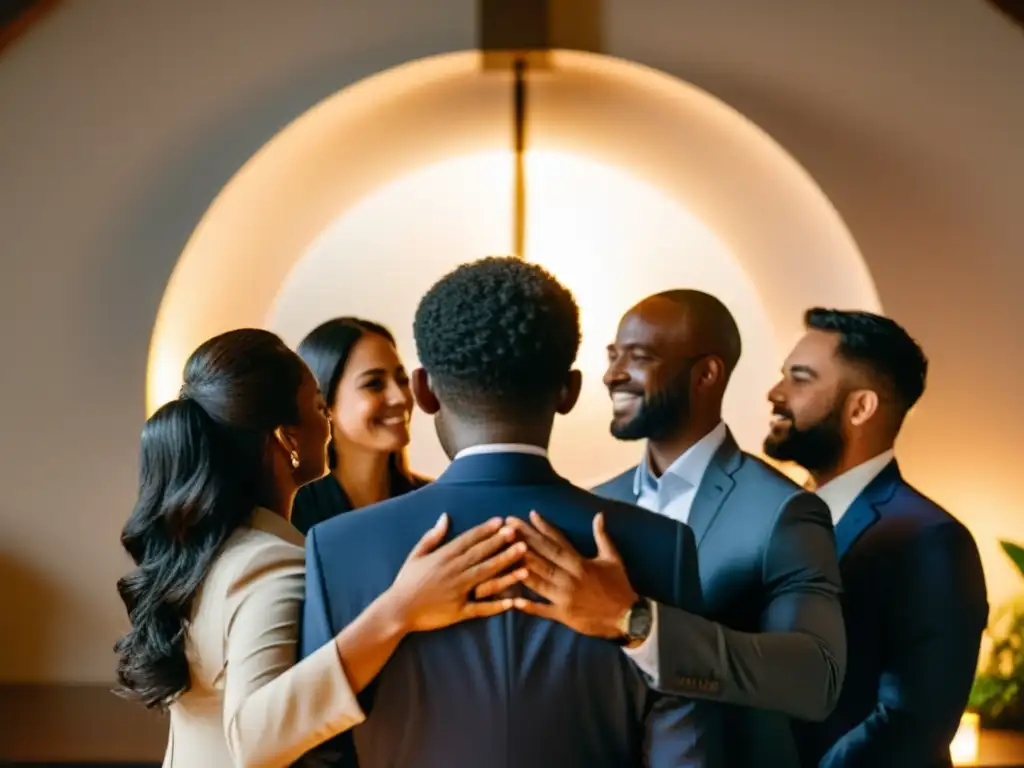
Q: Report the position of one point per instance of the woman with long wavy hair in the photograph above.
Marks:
(215, 598)
(361, 375)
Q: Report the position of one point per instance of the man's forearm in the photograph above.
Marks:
(790, 672)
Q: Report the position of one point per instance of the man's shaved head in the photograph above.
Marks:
(708, 323)
(669, 365)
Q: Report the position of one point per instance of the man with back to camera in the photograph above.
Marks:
(773, 643)
(497, 339)
(914, 593)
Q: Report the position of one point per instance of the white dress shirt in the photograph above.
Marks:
(840, 492)
(475, 450)
(672, 495)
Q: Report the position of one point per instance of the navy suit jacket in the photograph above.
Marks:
(915, 607)
(509, 691)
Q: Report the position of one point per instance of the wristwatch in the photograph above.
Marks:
(637, 622)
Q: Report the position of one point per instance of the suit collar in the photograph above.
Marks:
(506, 468)
(474, 450)
(715, 486)
(689, 468)
(840, 492)
(270, 522)
(865, 510)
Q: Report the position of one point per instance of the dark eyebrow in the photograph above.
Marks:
(373, 372)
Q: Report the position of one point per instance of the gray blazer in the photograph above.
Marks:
(772, 644)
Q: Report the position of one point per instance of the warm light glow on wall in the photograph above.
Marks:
(628, 164)
(963, 750)
(703, 156)
(609, 236)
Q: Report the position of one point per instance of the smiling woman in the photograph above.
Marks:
(366, 387)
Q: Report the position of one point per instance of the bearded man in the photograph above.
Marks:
(914, 593)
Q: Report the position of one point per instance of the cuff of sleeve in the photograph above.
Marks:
(645, 655)
(330, 698)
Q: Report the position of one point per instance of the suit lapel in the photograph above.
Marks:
(715, 487)
(622, 488)
(864, 512)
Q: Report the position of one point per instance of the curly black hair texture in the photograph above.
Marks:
(497, 335)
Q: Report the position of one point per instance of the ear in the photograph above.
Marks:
(711, 372)
(422, 393)
(286, 440)
(570, 393)
(861, 405)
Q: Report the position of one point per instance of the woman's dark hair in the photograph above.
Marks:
(326, 350)
(202, 472)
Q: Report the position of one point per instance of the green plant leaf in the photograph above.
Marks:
(1015, 552)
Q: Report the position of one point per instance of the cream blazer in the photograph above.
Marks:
(249, 703)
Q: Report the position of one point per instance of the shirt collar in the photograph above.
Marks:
(689, 467)
(840, 492)
(476, 450)
(271, 522)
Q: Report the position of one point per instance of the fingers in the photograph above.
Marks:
(562, 555)
(605, 548)
(549, 530)
(429, 540)
(484, 549)
(542, 610)
(480, 572)
(544, 569)
(551, 592)
(498, 585)
(548, 582)
(479, 610)
(473, 536)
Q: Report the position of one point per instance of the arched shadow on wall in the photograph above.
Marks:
(144, 248)
(892, 212)
(30, 607)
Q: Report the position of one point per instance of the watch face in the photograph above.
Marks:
(640, 620)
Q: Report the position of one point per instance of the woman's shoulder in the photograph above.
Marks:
(262, 558)
(317, 492)
(318, 501)
(267, 543)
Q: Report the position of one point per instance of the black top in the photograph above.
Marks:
(323, 499)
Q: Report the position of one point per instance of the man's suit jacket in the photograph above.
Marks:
(915, 606)
(771, 643)
(510, 691)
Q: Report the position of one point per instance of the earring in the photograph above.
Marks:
(295, 459)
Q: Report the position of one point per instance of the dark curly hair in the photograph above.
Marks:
(498, 333)
(202, 467)
(880, 345)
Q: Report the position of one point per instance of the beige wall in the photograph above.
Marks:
(119, 122)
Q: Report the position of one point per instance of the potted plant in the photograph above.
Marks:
(998, 692)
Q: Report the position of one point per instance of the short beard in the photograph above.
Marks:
(660, 415)
(817, 448)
